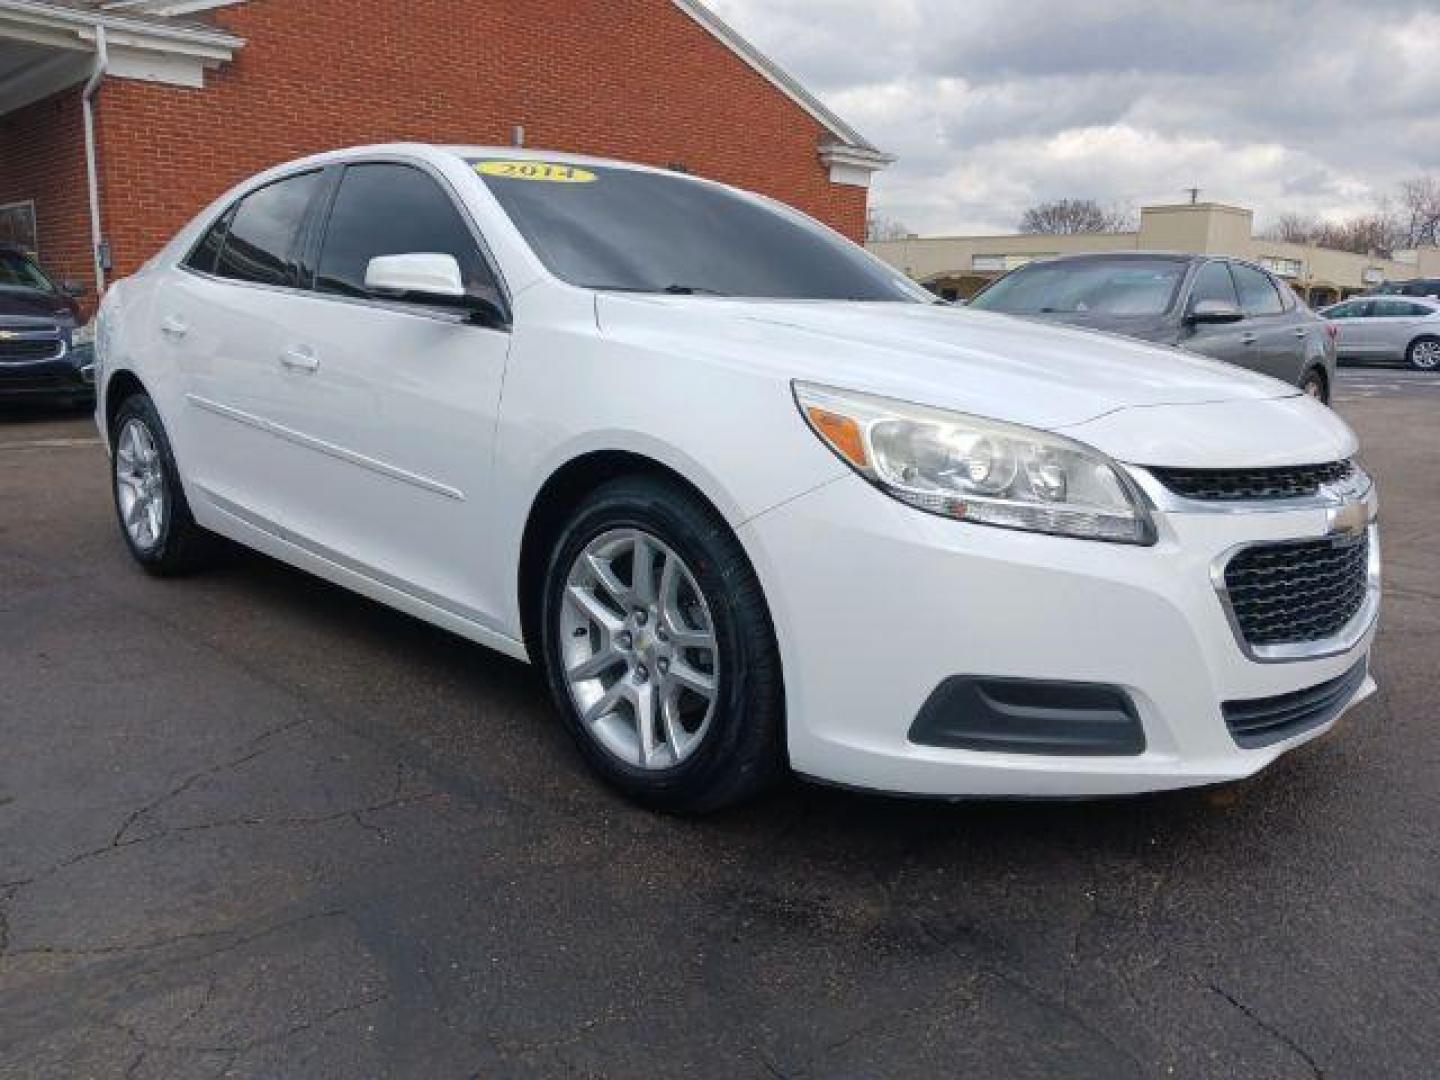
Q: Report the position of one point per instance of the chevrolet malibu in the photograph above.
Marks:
(752, 501)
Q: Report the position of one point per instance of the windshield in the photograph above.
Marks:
(616, 228)
(1087, 286)
(16, 271)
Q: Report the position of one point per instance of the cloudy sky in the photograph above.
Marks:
(993, 105)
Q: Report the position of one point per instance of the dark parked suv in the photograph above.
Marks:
(1225, 308)
(43, 350)
(1413, 287)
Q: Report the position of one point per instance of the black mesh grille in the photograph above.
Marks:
(1288, 482)
(1262, 721)
(22, 349)
(1298, 591)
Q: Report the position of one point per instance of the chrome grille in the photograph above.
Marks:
(23, 350)
(1299, 590)
(1286, 482)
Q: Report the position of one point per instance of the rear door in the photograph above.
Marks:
(220, 325)
(1394, 324)
(1358, 335)
(392, 404)
(1273, 339)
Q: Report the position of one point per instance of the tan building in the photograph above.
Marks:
(958, 266)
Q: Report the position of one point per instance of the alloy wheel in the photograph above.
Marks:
(638, 644)
(1426, 355)
(140, 485)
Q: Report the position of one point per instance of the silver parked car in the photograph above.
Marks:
(1388, 328)
(1224, 308)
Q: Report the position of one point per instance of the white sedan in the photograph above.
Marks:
(1388, 328)
(753, 501)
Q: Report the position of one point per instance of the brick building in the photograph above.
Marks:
(188, 96)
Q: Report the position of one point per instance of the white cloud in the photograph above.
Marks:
(1280, 105)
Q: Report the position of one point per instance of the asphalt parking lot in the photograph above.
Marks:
(251, 825)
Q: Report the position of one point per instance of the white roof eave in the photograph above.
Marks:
(175, 38)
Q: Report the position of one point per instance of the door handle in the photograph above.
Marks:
(1247, 339)
(172, 326)
(300, 358)
(1302, 333)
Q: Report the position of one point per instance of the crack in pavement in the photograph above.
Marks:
(147, 1044)
(160, 943)
(1033, 993)
(1269, 1028)
(252, 750)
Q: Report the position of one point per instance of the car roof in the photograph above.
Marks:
(1427, 301)
(1168, 256)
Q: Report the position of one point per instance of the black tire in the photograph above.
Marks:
(1426, 364)
(742, 750)
(181, 545)
(1316, 385)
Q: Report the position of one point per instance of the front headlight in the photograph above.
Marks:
(978, 470)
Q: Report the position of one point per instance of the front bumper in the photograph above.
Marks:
(876, 604)
(69, 376)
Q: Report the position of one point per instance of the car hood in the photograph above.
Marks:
(972, 361)
(1144, 327)
(26, 307)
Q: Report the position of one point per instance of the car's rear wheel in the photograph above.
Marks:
(154, 517)
(659, 650)
(1424, 354)
(1315, 385)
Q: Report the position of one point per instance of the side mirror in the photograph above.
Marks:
(1214, 311)
(417, 276)
(430, 278)
(74, 289)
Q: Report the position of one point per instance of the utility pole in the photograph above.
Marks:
(1194, 195)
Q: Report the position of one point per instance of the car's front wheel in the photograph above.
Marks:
(659, 650)
(1424, 354)
(149, 500)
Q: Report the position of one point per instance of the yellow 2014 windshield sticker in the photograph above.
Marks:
(536, 170)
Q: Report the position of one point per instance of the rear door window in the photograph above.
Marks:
(260, 244)
(1399, 309)
(1258, 294)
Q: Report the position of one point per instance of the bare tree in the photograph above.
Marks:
(1375, 233)
(1419, 213)
(1294, 229)
(1070, 216)
(880, 227)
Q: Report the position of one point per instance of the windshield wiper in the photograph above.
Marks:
(673, 290)
(690, 290)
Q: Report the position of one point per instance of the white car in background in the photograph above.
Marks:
(1388, 328)
(749, 498)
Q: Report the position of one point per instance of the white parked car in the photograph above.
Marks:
(749, 498)
(1388, 328)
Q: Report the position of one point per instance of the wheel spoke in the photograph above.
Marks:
(605, 704)
(605, 575)
(674, 731)
(642, 697)
(594, 608)
(642, 573)
(682, 674)
(596, 664)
